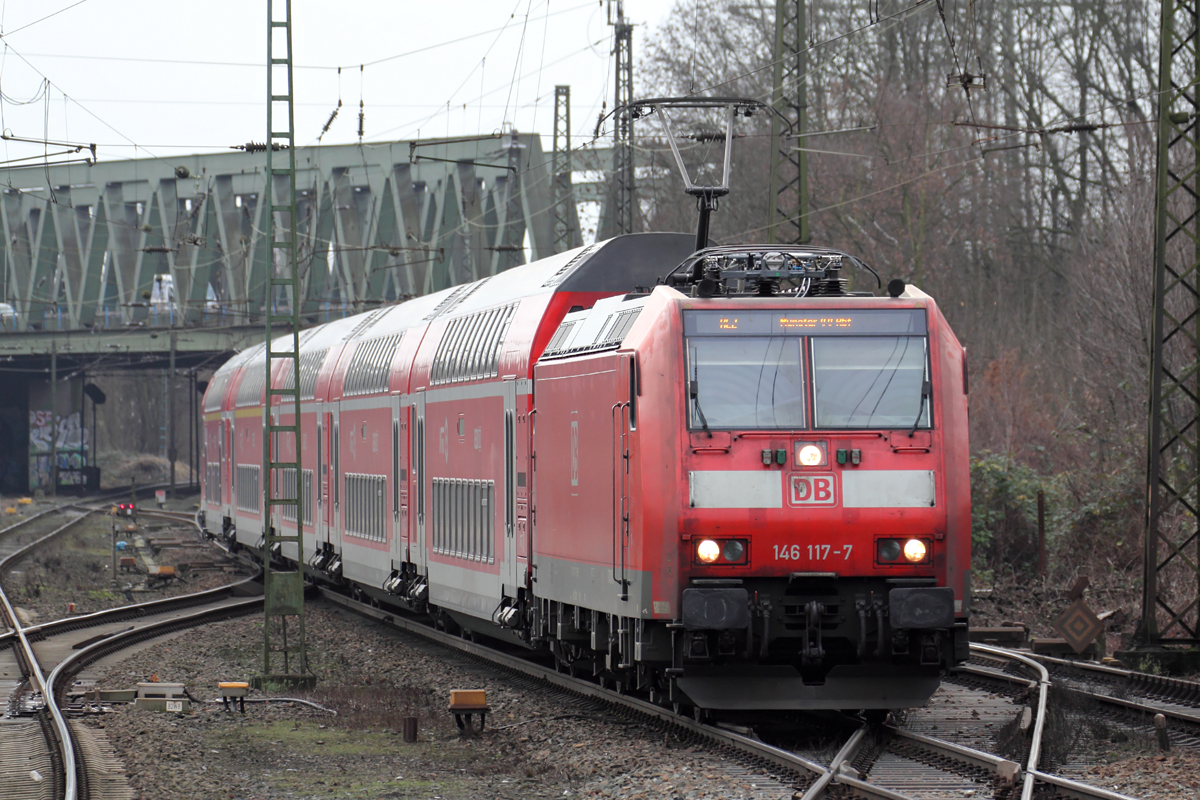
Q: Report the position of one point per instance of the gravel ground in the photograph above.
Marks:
(535, 745)
(1036, 604)
(77, 568)
(1161, 777)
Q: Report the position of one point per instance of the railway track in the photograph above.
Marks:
(944, 750)
(49, 744)
(41, 756)
(184, 517)
(935, 753)
(1137, 692)
(1096, 705)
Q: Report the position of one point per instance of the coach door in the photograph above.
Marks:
(328, 496)
(322, 487)
(511, 570)
(624, 421)
(228, 501)
(399, 470)
(333, 520)
(417, 483)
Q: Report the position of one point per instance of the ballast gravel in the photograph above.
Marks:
(536, 745)
(73, 575)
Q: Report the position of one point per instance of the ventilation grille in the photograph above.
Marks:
(370, 368)
(452, 300)
(216, 390)
(464, 520)
(226, 372)
(365, 506)
(612, 333)
(310, 365)
(369, 320)
(253, 368)
(618, 325)
(470, 347)
(249, 491)
(560, 336)
(250, 392)
(284, 379)
(288, 479)
(212, 483)
(565, 269)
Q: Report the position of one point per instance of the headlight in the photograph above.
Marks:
(810, 454)
(889, 550)
(733, 550)
(914, 550)
(902, 551)
(708, 551)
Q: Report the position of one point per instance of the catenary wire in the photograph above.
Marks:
(43, 19)
(325, 67)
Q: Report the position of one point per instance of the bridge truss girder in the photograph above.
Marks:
(372, 227)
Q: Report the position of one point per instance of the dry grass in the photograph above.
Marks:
(118, 468)
(382, 707)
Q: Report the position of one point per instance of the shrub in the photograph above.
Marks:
(1004, 511)
(1087, 516)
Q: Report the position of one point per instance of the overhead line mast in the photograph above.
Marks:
(621, 210)
(562, 202)
(283, 480)
(1171, 561)
(787, 215)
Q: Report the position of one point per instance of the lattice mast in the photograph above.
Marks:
(624, 199)
(284, 589)
(560, 187)
(1169, 606)
(788, 200)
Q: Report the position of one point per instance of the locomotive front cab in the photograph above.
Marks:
(822, 537)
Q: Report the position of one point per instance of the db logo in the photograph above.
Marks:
(814, 490)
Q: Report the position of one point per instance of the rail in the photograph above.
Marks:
(220, 609)
(1039, 722)
(838, 773)
(788, 762)
(59, 731)
(819, 777)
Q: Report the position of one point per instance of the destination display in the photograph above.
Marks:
(783, 322)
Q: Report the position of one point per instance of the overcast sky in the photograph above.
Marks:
(174, 78)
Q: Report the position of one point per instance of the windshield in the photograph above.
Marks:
(763, 368)
(876, 382)
(745, 382)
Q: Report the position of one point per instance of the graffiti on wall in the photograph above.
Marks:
(40, 423)
(72, 444)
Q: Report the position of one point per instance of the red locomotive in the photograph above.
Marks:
(744, 488)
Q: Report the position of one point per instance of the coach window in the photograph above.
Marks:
(871, 382)
(745, 382)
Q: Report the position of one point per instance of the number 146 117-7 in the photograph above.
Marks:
(811, 552)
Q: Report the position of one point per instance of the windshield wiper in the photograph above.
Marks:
(926, 392)
(694, 391)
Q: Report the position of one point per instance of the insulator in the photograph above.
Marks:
(259, 147)
(828, 287)
(332, 117)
